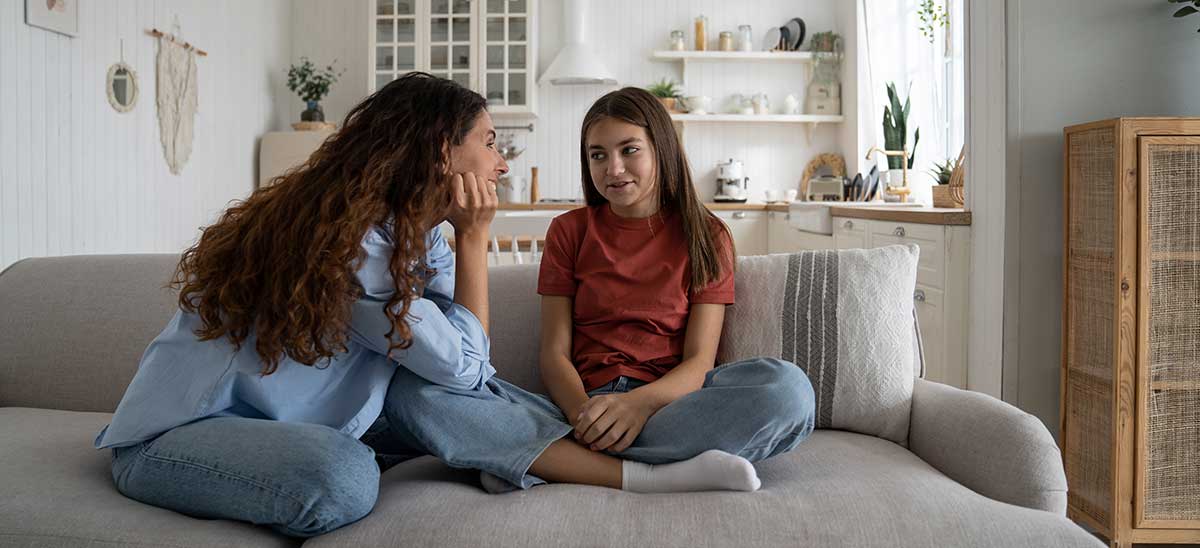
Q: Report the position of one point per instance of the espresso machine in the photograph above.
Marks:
(732, 184)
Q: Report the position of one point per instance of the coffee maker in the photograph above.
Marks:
(731, 183)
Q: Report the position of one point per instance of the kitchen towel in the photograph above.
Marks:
(846, 318)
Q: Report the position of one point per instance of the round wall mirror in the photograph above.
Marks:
(122, 87)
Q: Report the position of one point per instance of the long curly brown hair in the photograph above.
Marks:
(280, 265)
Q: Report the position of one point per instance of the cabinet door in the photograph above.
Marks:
(930, 306)
(849, 233)
(509, 54)
(782, 237)
(749, 230)
(394, 49)
(451, 35)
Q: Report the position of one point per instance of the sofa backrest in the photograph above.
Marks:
(72, 329)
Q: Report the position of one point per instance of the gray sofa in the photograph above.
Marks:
(976, 472)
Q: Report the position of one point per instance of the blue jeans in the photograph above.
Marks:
(300, 479)
(756, 409)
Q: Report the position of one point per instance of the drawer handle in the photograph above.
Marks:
(919, 295)
(848, 225)
(739, 214)
(899, 231)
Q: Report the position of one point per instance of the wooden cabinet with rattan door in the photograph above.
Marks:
(1131, 328)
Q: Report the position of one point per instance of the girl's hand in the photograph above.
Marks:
(611, 422)
(472, 204)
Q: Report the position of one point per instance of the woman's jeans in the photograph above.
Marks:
(755, 408)
(300, 479)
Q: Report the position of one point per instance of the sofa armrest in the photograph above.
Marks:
(988, 446)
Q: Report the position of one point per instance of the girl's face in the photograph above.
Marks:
(622, 165)
(477, 153)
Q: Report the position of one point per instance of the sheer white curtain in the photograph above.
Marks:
(929, 74)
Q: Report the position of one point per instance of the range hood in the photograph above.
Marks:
(575, 63)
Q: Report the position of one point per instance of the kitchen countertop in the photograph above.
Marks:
(919, 215)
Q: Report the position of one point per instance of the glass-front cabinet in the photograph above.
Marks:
(486, 45)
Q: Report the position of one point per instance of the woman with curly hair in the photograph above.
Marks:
(297, 306)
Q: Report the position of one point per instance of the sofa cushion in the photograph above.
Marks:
(835, 489)
(845, 318)
(58, 491)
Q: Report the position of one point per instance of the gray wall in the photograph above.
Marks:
(1073, 61)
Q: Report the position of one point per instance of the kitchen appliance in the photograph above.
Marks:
(732, 184)
(827, 188)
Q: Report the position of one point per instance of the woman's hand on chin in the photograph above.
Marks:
(472, 205)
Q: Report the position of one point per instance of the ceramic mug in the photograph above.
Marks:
(772, 195)
(791, 194)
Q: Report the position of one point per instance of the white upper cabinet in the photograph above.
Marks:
(489, 46)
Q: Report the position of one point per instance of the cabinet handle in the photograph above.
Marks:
(919, 295)
(899, 231)
(739, 214)
(848, 225)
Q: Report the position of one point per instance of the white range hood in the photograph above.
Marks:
(576, 63)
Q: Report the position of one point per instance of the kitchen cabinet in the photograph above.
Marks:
(749, 230)
(487, 45)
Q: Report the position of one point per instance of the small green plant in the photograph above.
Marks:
(1186, 10)
(895, 129)
(665, 89)
(932, 16)
(943, 170)
(310, 83)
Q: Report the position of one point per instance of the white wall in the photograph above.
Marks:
(1074, 61)
(78, 177)
(624, 33)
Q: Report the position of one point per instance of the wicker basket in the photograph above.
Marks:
(947, 196)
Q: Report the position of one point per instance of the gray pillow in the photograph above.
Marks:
(846, 318)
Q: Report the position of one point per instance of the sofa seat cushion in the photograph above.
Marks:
(58, 491)
(836, 489)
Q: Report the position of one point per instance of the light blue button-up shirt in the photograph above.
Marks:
(182, 379)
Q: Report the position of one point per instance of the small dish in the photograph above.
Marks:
(772, 39)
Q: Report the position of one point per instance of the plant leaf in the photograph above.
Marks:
(1186, 10)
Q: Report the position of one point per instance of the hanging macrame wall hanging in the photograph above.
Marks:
(177, 97)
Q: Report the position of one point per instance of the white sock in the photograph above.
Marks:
(712, 470)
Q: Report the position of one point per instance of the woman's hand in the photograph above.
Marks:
(612, 421)
(472, 205)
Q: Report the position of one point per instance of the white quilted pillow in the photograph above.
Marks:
(844, 317)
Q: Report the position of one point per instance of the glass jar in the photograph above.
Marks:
(725, 41)
(677, 43)
(744, 39)
(701, 30)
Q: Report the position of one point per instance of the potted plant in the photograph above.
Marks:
(667, 92)
(312, 85)
(948, 190)
(895, 130)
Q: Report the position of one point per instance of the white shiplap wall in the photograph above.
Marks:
(623, 33)
(78, 177)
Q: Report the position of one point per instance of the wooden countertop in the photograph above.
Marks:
(919, 215)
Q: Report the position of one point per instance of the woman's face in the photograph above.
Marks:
(477, 153)
(621, 163)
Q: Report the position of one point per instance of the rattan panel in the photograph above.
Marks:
(1090, 308)
(1172, 412)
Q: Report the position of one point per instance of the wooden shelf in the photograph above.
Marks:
(783, 56)
(760, 118)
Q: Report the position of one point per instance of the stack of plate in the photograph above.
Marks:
(785, 38)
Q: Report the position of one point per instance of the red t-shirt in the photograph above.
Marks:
(629, 279)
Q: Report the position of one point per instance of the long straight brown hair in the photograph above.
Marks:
(281, 264)
(675, 188)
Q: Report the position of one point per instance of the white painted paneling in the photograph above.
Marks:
(78, 177)
(624, 33)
